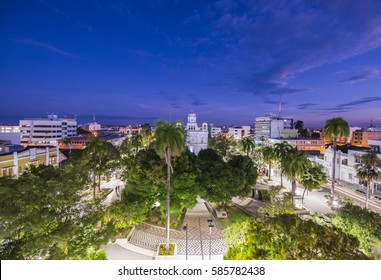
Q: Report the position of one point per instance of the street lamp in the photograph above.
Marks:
(186, 241)
(210, 221)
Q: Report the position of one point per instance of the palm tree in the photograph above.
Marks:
(170, 142)
(369, 169)
(294, 166)
(313, 178)
(146, 133)
(94, 148)
(281, 150)
(334, 128)
(268, 157)
(137, 141)
(248, 145)
(67, 142)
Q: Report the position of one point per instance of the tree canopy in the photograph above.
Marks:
(288, 237)
(44, 214)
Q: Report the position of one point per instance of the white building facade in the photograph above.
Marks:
(46, 131)
(196, 137)
(345, 170)
(239, 132)
(271, 126)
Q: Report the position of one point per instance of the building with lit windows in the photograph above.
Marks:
(239, 132)
(347, 157)
(302, 144)
(46, 131)
(271, 126)
(15, 163)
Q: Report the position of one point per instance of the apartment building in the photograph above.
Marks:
(271, 126)
(46, 131)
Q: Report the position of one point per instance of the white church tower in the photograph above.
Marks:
(197, 138)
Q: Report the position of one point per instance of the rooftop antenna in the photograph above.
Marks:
(280, 105)
(93, 117)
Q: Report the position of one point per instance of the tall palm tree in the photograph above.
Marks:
(294, 166)
(93, 149)
(248, 145)
(146, 133)
(170, 142)
(281, 150)
(334, 128)
(268, 157)
(137, 141)
(313, 178)
(369, 169)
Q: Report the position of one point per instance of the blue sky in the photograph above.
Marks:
(228, 61)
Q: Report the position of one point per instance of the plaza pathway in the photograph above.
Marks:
(199, 242)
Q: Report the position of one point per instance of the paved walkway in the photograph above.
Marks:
(248, 204)
(200, 241)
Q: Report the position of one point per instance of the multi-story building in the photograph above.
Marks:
(346, 160)
(130, 130)
(303, 144)
(196, 137)
(214, 131)
(93, 126)
(9, 128)
(361, 138)
(46, 131)
(271, 126)
(10, 133)
(15, 163)
(239, 132)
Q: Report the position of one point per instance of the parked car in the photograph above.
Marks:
(377, 198)
(361, 191)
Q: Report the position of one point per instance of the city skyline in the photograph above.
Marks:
(228, 61)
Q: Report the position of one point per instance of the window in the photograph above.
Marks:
(350, 176)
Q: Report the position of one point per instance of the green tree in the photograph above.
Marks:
(137, 142)
(288, 237)
(268, 157)
(144, 174)
(248, 145)
(170, 142)
(220, 144)
(67, 142)
(303, 132)
(103, 157)
(294, 166)
(44, 214)
(147, 134)
(281, 150)
(280, 202)
(249, 171)
(312, 178)
(334, 128)
(361, 223)
(315, 135)
(368, 169)
(93, 149)
(224, 180)
(185, 189)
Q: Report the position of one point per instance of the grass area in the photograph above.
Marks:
(235, 214)
(170, 252)
(156, 217)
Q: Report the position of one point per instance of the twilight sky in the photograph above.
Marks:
(228, 61)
